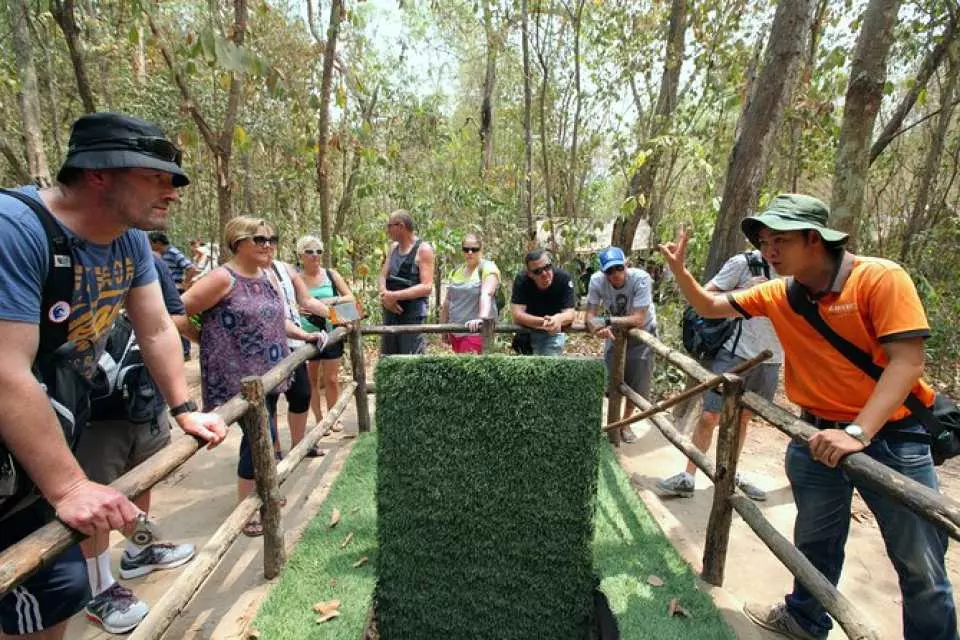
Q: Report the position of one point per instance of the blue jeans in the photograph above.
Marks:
(547, 344)
(915, 546)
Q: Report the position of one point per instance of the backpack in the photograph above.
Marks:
(65, 385)
(123, 388)
(704, 337)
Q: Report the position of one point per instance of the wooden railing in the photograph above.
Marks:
(21, 560)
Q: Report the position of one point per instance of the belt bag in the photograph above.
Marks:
(942, 420)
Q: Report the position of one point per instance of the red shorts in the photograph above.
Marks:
(466, 344)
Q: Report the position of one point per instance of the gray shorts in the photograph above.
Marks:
(638, 370)
(109, 448)
(762, 379)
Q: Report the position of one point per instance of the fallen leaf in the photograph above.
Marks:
(655, 581)
(359, 563)
(355, 510)
(328, 617)
(334, 518)
(860, 516)
(324, 608)
(676, 610)
(346, 541)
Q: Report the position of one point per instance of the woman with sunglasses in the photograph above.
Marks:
(329, 287)
(470, 296)
(244, 329)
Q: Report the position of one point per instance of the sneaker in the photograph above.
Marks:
(777, 618)
(160, 555)
(751, 490)
(627, 435)
(116, 609)
(678, 486)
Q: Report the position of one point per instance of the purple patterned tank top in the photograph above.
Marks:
(242, 335)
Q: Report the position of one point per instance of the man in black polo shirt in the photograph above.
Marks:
(543, 301)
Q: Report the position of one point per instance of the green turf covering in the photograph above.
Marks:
(487, 471)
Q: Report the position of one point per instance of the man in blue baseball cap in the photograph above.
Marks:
(626, 296)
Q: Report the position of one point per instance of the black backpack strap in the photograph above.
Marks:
(407, 265)
(757, 265)
(801, 303)
(58, 286)
(333, 283)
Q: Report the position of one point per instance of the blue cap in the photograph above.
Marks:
(611, 257)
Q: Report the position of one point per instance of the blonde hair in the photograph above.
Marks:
(305, 242)
(241, 228)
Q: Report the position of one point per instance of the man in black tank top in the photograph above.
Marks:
(406, 280)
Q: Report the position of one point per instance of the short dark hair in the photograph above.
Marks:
(533, 256)
(159, 236)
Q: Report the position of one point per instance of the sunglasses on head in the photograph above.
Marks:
(615, 269)
(312, 252)
(262, 241)
(539, 271)
(470, 249)
(159, 148)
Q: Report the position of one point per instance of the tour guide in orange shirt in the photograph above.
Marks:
(873, 304)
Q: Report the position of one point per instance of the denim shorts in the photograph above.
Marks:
(762, 379)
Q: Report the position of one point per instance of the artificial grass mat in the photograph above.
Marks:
(487, 474)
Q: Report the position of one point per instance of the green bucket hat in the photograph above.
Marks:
(792, 212)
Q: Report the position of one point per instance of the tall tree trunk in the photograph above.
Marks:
(63, 13)
(570, 201)
(868, 73)
(140, 58)
(323, 127)
(28, 97)
(53, 92)
(927, 68)
(489, 86)
(749, 158)
(16, 162)
(544, 138)
(350, 185)
(247, 166)
(931, 166)
(527, 182)
(644, 177)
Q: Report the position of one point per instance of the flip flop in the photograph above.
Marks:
(316, 452)
(253, 529)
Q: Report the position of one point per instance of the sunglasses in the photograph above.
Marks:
(393, 224)
(262, 241)
(539, 271)
(471, 249)
(159, 148)
(312, 252)
(614, 269)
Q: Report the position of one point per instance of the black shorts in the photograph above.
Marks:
(51, 595)
(333, 352)
(298, 394)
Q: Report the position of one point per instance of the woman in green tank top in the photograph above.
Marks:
(329, 287)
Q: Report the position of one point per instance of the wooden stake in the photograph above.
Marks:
(614, 397)
(358, 365)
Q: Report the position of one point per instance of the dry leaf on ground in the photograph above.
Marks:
(326, 607)
(327, 617)
(346, 541)
(655, 581)
(676, 610)
(359, 563)
(334, 518)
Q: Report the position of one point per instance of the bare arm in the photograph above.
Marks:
(899, 376)
(32, 432)
(487, 291)
(521, 317)
(341, 286)
(208, 291)
(307, 302)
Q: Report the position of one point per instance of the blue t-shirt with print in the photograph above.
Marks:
(103, 274)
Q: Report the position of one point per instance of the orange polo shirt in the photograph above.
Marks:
(871, 301)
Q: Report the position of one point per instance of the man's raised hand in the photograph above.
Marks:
(675, 253)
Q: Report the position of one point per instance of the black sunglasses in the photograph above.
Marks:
(540, 270)
(617, 268)
(262, 241)
(159, 148)
(312, 252)
(471, 249)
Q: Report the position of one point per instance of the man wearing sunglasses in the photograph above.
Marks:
(626, 296)
(120, 176)
(406, 281)
(543, 301)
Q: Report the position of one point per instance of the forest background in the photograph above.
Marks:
(529, 121)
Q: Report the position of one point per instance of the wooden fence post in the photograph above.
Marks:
(360, 377)
(256, 427)
(489, 337)
(614, 397)
(725, 482)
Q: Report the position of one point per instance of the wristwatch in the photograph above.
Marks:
(856, 431)
(187, 407)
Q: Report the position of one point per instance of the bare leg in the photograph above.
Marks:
(331, 386)
(298, 425)
(703, 435)
(316, 402)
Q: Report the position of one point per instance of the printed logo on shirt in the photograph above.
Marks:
(99, 294)
(59, 312)
(846, 308)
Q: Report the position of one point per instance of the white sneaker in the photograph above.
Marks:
(116, 609)
(157, 556)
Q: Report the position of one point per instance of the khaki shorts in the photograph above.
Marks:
(109, 448)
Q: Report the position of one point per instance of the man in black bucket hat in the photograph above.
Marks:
(84, 235)
(873, 304)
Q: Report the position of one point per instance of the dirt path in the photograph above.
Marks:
(753, 573)
(192, 503)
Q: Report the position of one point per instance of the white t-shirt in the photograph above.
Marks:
(636, 293)
(757, 334)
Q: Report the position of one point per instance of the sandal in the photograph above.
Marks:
(316, 451)
(253, 528)
(337, 426)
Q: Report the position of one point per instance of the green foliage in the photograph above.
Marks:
(487, 472)
(319, 570)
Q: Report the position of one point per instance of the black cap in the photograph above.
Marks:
(117, 141)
